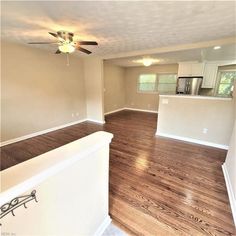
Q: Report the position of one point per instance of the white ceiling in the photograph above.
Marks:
(227, 52)
(122, 26)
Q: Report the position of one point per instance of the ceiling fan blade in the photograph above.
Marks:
(84, 50)
(58, 51)
(87, 43)
(53, 34)
(42, 42)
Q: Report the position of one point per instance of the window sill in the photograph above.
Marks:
(146, 92)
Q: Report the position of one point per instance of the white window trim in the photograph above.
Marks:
(147, 92)
(218, 82)
(157, 81)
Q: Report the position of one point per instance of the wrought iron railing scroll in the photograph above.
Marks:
(17, 202)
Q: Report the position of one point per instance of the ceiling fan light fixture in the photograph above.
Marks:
(147, 61)
(66, 48)
(217, 47)
(66, 43)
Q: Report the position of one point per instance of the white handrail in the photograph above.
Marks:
(72, 190)
(19, 179)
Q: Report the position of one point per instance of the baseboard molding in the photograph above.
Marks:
(229, 187)
(103, 226)
(96, 121)
(110, 112)
(131, 109)
(64, 126)
(142, 110)
(46, 131)
(191, 140)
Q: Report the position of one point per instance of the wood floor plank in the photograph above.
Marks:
(158, 186)
(137, 220)
(171, 210)
(200, 204)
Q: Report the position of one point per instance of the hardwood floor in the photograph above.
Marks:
(158, 186)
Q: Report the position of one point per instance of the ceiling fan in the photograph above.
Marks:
(66, 44)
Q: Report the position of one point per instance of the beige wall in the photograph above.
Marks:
(146, 101)
(38, 90)
(93, 75)
(187, 117)
(113, 83)
(114, 87)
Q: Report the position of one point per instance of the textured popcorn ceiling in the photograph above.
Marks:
(119, 26)
(227, 52)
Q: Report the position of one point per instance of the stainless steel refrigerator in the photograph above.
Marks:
(189, 85)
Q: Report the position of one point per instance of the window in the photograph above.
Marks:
(147, 83)
(167, 83)
(226, 83)
(162, 83)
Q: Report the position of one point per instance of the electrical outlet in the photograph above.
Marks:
(72, 115)
(77, 114)
(205, 130)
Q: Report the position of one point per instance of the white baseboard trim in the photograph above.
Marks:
(191, 140)
(101, 229)
(40, 133)
(131, 109)
(110, 112)
(96, 121)
(47, 131)
(136, 109)
(64, 126)
(229, 187)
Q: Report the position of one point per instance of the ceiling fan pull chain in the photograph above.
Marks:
(67, 57)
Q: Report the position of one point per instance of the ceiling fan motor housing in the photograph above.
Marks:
(67, 36)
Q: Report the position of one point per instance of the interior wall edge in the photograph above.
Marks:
(229, 187)
(114, 87)
(93, 78)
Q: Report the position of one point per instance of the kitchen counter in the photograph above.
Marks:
(195, 97)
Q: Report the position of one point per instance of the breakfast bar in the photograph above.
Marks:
(199, 119)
